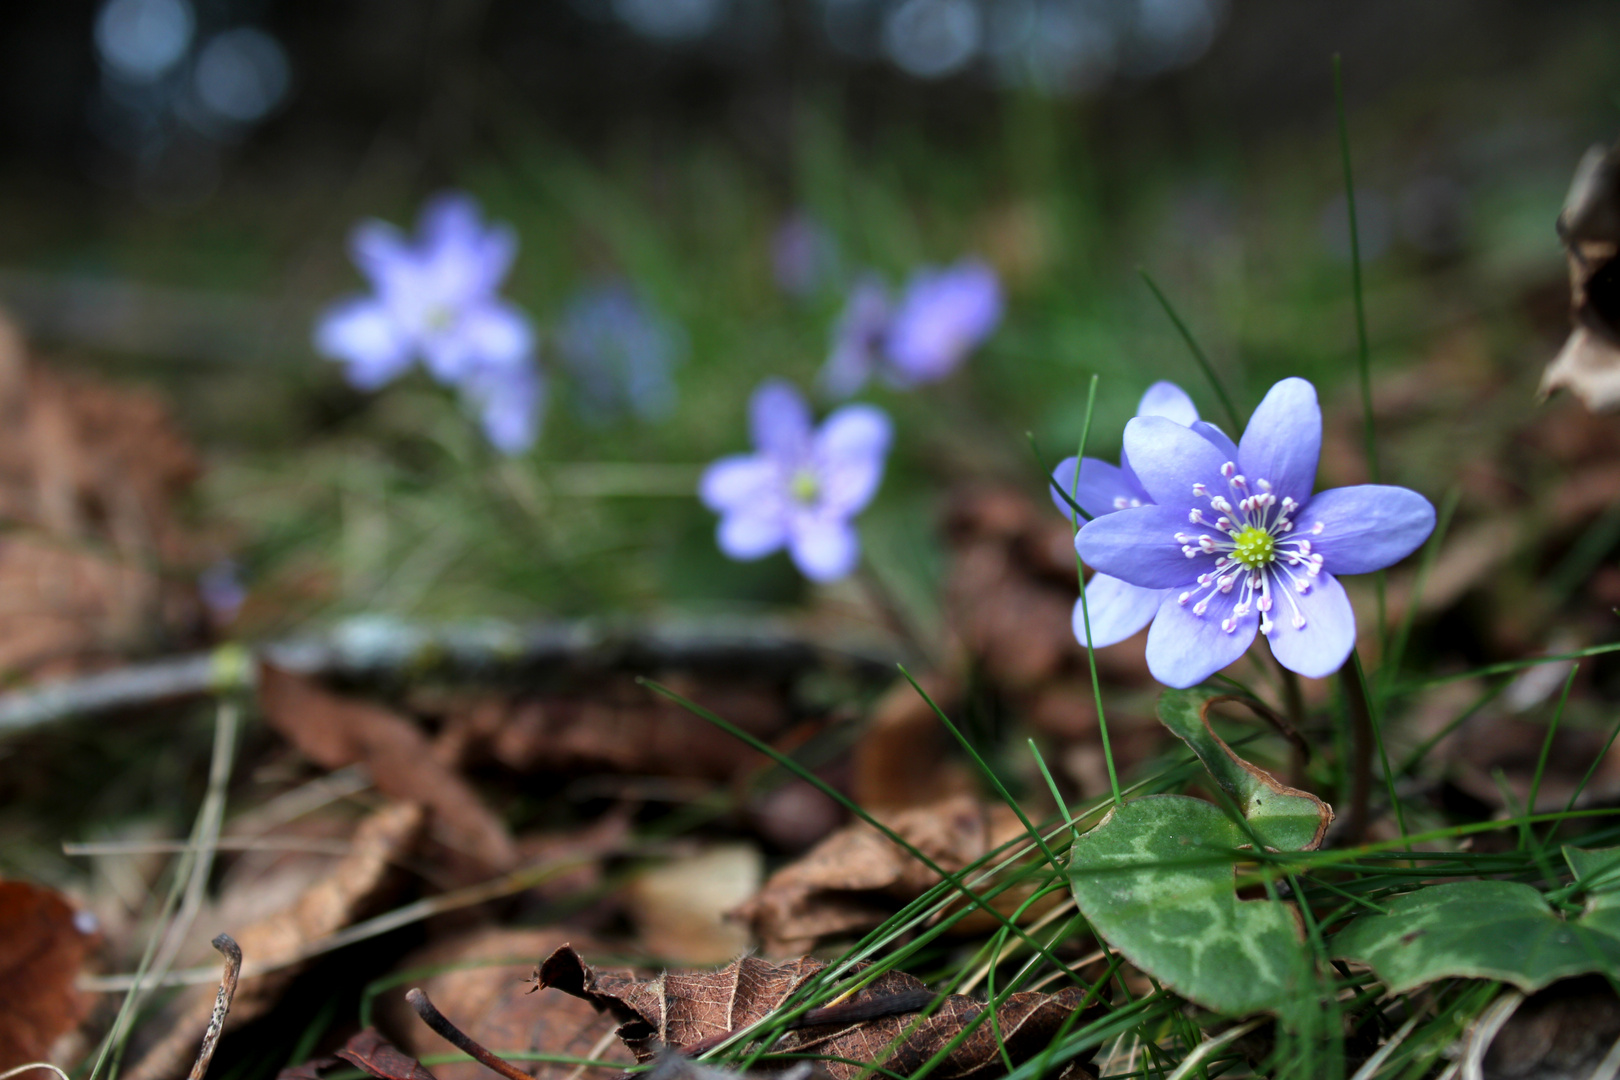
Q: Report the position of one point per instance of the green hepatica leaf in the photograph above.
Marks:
(1156, 881)
(1492, 930)
(1156, 877)
(1285, 818)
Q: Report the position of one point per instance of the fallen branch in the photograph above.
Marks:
(373, 648)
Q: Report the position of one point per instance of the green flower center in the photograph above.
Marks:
(1254, 547)
(440, 318)
(805, 486)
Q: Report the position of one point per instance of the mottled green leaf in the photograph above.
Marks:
(1285, 818)
(1155, 879)
(1492, 930)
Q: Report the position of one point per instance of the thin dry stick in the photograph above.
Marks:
(1209, 1046)
(224, 843)
(1485, 1027)
(436, 1020)
(20, 1069)
(222, 1002)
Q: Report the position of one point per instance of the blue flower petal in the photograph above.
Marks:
(849, 450)
(1169, 459)
(739, 483)
(751, 536)
(1101, 488)
(1117, 610)
(364, 336)
(1170, 401)
(1140, 547)
(1366, 528)
(779, 420)
(1221, 439)
(1284, 440)
(1323, 645)
(1184, 649)
(824, 548)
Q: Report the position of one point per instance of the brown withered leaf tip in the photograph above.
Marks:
(381, 1058)
(489, 995)
(42, 945)
(1589, 363)
(680, 1008)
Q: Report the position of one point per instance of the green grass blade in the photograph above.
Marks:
(1215, 383)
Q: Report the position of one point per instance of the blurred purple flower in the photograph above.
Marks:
(942, 317)
(434, 298)
(221, 590)
(804, 255)
(510, 401)
(1239, 544)
(858, 338)
(620, 352)
(802, 486)
(1117, 608)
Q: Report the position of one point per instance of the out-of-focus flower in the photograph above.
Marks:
(1118, 609)
(620, 353)
(804, 255)
(858, 338)
(221, 590)
(802, 485)
(1239, 543)
(510, 402)
(434, 298)
(942, 317)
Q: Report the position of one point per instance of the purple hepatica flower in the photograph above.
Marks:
(619, 352)
(1117, 608)
(1239, 542)
(858, 338)
(943, 316)
(434, 298)
(802, 486)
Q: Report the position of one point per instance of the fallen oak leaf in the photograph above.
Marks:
(335, 731)
(1589, 225)
(696, 1010)
(842, 884)
(357, 882)
(381, 1058)
(43, 942)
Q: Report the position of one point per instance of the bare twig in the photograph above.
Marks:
(373, 647)
(436, 1020)
(222, 1003)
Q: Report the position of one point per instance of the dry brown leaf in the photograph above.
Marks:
(92, 474)
(358, 882)
(681, 1009)
(858, 877)
(1589, 363)
(624, 728)
(336, 731)
(43, 942)
(1565, 1030)
(381, 1058)
(490, 996)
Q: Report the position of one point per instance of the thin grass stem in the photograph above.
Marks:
(1085, 608)
(1525, 837)
(1363, 353)
(1051, 786)
(1198, 355)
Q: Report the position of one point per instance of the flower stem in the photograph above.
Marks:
(1085, 610)
(1364, 736)
(1360, 713)
(1294, 709)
